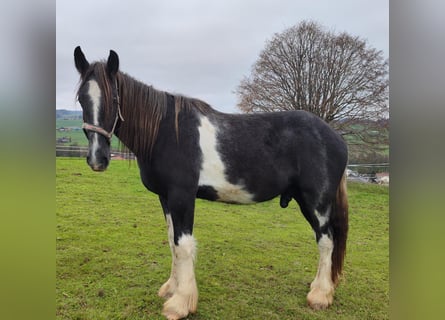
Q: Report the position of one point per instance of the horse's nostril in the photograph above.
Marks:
(104, 160)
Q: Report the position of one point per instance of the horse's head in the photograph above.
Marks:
(99, 98)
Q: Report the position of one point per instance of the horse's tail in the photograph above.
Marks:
(339, 223)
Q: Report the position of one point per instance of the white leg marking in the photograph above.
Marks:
(185, 297)
(321, 219)
(169, 287)
(95, 95)
(322, 288)
(213, 169)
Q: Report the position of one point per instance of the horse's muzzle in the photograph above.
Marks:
(98, 168)
(101, 165)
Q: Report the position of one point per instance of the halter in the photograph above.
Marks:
(102, 131)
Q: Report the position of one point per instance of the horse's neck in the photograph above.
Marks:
(140, 135)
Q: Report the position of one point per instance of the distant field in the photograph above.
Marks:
(77, 136)
(254, 262)
(68, 123)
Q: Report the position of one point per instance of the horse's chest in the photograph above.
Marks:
(212, 177)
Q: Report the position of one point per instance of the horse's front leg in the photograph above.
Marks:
(169, 287)
(180, 289)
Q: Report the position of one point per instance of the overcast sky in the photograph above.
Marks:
(198, 48)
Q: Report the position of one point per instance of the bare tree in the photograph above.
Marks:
(335, 76)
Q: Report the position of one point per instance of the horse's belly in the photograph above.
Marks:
(234, 194)
(227, 193)
(213, 182)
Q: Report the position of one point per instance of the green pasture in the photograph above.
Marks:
(77, 136)
(254, 261)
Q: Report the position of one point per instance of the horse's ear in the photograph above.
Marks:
(113, 63)
(80, 61)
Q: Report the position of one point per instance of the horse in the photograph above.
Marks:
(185, 150)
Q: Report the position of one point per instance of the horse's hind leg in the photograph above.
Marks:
(321, 294)
(330, 224)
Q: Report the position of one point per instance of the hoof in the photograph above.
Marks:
(318, 299)
(168, 289)
(178, 306)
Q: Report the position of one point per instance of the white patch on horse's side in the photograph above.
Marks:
(95, 95)
(213, 169)
(322, 220)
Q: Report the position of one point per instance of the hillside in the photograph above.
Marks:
(69, 131)
(68, 114)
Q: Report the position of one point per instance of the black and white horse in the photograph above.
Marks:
(187, 150)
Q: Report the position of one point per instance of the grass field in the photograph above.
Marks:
(254, 262)
(77, 136)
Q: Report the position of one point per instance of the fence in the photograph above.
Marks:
(369, 168)
(369, 172)
(72, 151)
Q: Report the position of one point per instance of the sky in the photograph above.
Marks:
(198, 48)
